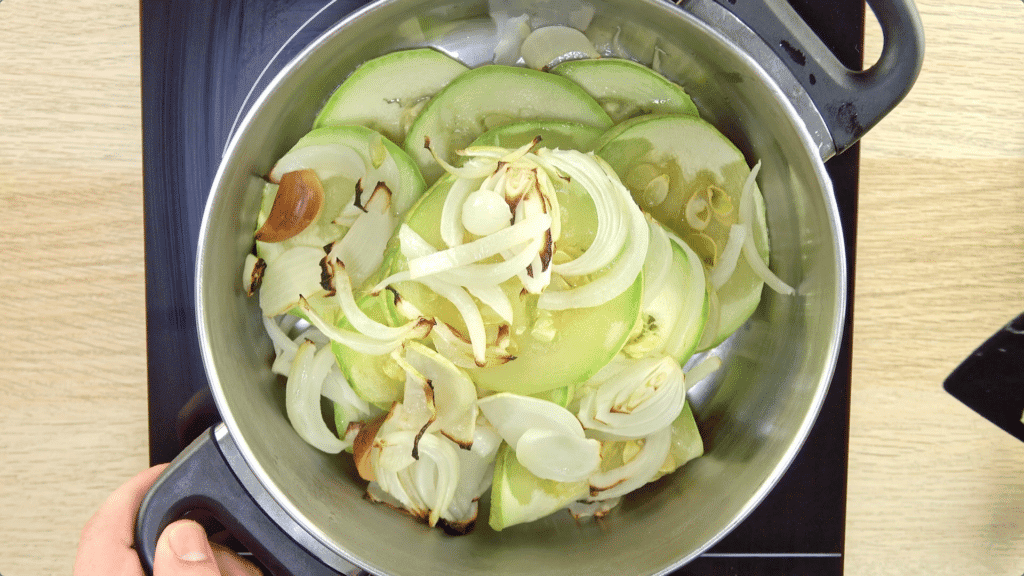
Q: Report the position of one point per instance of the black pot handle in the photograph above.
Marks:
(850, 102)
(201, 478)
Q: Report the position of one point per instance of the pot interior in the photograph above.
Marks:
(754, 413)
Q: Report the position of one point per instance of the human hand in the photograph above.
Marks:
(106, 546)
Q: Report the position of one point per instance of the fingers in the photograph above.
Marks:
(183, 550)
(106, 539)
(232, 565)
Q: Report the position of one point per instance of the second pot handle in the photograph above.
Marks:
(201, 478)
(850, 102)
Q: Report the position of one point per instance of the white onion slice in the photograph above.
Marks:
(358, 319)
(424, 486)
(640, 470)
(338, 390)
(494, 298)
(356, 340)
(454, 395)
(637, 401)
(750, 253)
(476, 467)
(327, 160)
(658, 261)
(479, 249)
(612, 227)
(703, 369)
(362, 247)
(622, 273)
(459, 351)
(512, 414)
(451, 210)
(468, 310)
(553, 455)
(302, 397)
(296, 271)
(726, 264)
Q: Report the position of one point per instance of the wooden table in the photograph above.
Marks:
(933, 488)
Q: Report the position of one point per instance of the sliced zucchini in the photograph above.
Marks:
(377, 379)
(491, 96)
(626, 88)
(554, 134)
(693, 158)
(551, 349)
(674, 319)
(387, 92)
(518, 496)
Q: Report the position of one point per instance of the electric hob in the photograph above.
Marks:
(204, 62)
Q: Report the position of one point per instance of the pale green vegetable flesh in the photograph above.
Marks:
(674, 320)
(400, 174)
(517, 496)
(553, 134)
(386, 93)
(626, 88)
(375, 378)
(547, 345)
(404, 119)
(696, 158)
(488, 97)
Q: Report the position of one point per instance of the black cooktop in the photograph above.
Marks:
(203, 64)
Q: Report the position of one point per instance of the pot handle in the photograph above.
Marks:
(202, 478)
(850, 102)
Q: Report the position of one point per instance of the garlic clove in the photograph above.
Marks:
(300, 197)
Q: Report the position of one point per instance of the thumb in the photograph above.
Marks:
(183, 550)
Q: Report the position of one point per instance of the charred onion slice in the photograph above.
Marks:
(300, 197)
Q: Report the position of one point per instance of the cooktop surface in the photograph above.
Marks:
(203, 64)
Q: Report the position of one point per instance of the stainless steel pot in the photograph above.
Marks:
(755, 71)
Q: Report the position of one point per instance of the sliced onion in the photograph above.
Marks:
(476, 467)
(726, 263)
(296, 271)
(426, 486)
(356, 340)
(454, 395)
(302, 397)
(495, 299)
(338, 390)
(512, 415)
(622, 273)
(640, 470)
(658, 261)
(636, 402)
(327, 160)
(361, 249)
(612, 223)
(750, 253)
(703, 369)
(451, 210)
(457, 349)
(413, 245)
(470, 315)
(479, 249)
(553, 455)
(358, 319)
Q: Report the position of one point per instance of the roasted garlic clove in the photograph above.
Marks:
(300, 197)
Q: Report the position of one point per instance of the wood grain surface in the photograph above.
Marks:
(933, 488)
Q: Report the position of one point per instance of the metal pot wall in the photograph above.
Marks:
(303, 512)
